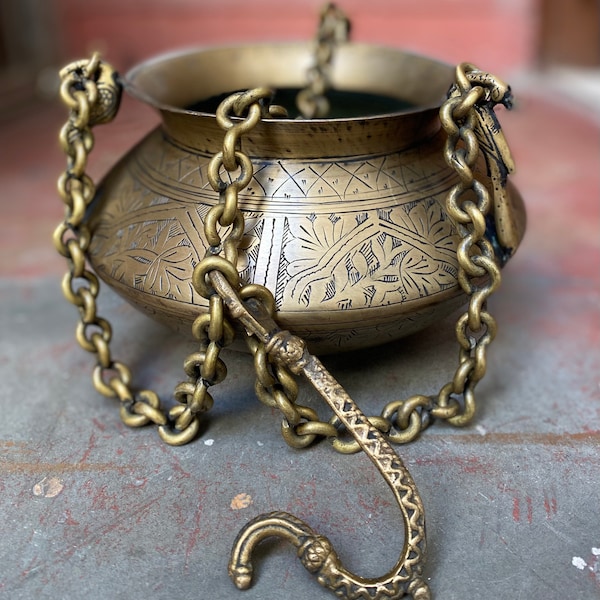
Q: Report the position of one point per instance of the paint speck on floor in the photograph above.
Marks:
(209, 442)
(241, 501)
(48, 487)
(578, 562)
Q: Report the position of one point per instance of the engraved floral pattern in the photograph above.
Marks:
(390, 255)
(162, 251)
(323, 236)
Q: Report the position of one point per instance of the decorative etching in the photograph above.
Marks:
(378, 258)
(341, 235)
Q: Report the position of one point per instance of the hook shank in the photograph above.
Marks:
(315, 551)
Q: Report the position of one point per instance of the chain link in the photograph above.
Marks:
(90, 90)
(334, 28)
(275, 385)
(214, 331)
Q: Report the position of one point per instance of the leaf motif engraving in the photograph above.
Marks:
(387, 256)
(155, 256)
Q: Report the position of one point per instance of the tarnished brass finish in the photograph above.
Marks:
(253, 306)
(315, 551)
(391, 219)
(91, 91)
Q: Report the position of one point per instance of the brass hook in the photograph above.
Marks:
(315, 551)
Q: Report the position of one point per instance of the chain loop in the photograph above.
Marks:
(468, 203)
(90, 90)
(213, 331)
(351, 446)
(334, 28)
(305, 433)
(476, 328)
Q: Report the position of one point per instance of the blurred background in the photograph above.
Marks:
(508, 37)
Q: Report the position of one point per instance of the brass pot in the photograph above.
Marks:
(345, 216)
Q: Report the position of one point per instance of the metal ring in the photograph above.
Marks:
(87, 342)
(290, 434)
(404, 410)
(179, 438)
(102, 350)
(286, 379)
(149, 412)
(133, 419)
(352, 446)
(263, 394)
(445, 406)
(213, 370)
(148, 397)
(214, 217)
(105, 388)
(213, 263)
(291, 412)
(76, 255)
(71, 295)
(88, 307)
(465, 416)
(260, 293)
(262, 366)
(216, 314)
(317, 428)
(201, 325)
(242, 161)
(183, 391)
(202, 401)
(409, 433)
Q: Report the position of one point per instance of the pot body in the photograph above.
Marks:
(345, 217)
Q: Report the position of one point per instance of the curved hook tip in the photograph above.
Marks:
(241, 576)
(319, 558)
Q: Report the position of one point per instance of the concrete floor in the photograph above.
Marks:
(94, 510)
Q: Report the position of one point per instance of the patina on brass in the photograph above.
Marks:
(465, 210)
(315, 551)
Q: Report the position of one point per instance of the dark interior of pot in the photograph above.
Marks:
(365, 80)
(343, 104)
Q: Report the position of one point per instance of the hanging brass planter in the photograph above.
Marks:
(379, 209)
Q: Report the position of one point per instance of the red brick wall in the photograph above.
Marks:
(498, 35)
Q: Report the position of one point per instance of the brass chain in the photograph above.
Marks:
(213, 330)
(86, 89)
(468, 202)
(90, 90)
(334, 28)
(275, 385)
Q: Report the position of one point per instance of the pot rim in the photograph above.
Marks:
(130, 80)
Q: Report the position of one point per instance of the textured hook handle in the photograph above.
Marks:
(315, 551)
